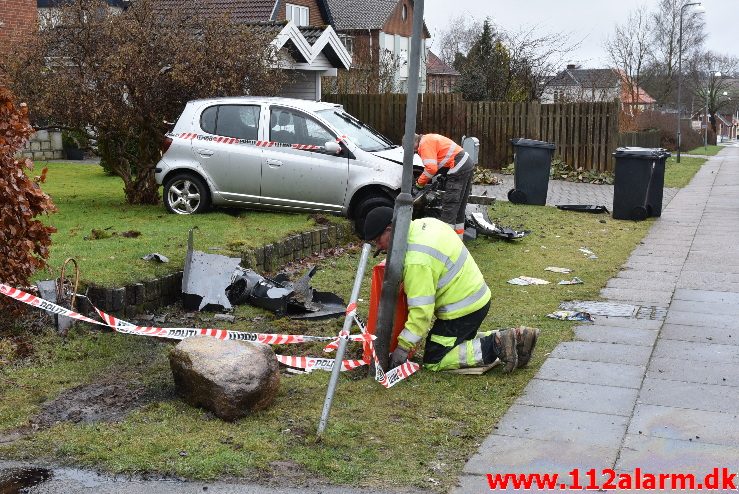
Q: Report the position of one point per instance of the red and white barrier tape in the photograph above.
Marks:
(252, 142)
(387, 379)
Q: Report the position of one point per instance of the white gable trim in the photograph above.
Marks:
(313, 53)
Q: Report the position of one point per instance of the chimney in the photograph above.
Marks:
(572, 66)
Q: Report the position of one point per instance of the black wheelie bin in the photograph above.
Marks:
(638, 184)
(532, 161)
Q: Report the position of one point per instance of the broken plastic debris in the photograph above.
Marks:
(155, 256)
(573, 281)
(608, 309)
(571, 315)
(480, 224)
(527, 280)
(555, 269)
(588, 252)
(583, 208)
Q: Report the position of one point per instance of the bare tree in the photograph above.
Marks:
(660, 78)
(121, 76)
(628, 49)
(536, 56)
(710, 77)
(373, 71)
(462, 33)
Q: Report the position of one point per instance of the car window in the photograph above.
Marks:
(292, 127)
(208, 119)
(240, 121)
(361, 134)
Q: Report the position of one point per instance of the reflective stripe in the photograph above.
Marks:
(429, 175)
(419, 301)
(477, 351)
(446, 341)
(410, 337)
(456, 268)
(458, 166)
(465, 301)
(429, 161)
(462, 349)
(459, 226)
(425, 249)
(449, 154)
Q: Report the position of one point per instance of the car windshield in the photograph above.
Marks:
(364, 136)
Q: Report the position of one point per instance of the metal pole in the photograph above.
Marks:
(705, 119)
(403, 203)
(348, 319)
(679, 76)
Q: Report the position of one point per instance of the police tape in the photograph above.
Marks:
(252, 142)
(309, 364)
(122, 326)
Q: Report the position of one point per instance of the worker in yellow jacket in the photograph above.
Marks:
(442, 280)
(442, 155)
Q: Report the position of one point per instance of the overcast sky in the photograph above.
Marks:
(588, 20)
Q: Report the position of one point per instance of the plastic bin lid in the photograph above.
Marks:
(531, 143)
(647, 153)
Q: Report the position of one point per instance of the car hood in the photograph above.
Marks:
(396, 155)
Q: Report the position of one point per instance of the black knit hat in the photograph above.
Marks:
(377, 220)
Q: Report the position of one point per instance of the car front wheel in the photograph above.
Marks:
(367, 205)
(186, 194)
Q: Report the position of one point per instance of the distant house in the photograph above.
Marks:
(727, 126)
(378, 30)
(595, 85)
(307, 48)
(440, 78)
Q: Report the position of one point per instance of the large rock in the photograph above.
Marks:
(229, 378)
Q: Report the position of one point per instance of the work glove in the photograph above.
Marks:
(398, 357)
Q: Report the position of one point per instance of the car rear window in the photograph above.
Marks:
(239, 121)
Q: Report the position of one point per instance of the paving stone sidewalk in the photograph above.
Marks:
(660, 394)
(563, 192)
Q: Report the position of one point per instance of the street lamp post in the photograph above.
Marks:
(680, 69)
(705, 119)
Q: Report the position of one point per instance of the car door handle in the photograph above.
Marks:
(206, 152)
(274, 163)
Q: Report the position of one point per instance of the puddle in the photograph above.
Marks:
(17, 480)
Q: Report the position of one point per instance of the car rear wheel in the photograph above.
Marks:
(367, 205)
(186, 194)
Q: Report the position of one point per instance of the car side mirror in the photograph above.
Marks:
(333, 147)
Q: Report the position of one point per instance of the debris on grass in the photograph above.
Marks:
(155, 256)
(527, 280)
(97, 234)
(555, 269)
(583, 208)
(573, 281)
(571, 315)
(588, 252)
(130, 234)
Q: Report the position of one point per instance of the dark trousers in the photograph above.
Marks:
(456, 192)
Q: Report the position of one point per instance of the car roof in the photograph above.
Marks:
(298, 103)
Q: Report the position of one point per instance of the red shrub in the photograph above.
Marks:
(24, 241)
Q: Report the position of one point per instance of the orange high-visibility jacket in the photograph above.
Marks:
(436, 151)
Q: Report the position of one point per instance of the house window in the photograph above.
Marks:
(404, 13)
(348, 42)
(297, 13)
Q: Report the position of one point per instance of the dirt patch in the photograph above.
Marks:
(96, 402)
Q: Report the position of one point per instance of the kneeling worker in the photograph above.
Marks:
(441, 279)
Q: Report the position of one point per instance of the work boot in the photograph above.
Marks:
(526, 341)
(505, 347)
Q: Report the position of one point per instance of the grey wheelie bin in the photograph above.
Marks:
(639, 180)
(532, 161)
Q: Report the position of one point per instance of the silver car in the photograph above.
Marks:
(277, 153)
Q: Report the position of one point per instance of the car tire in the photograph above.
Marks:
(367, 205)
(185, 193)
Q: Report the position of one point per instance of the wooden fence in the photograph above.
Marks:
(643, 139)
(585, 133)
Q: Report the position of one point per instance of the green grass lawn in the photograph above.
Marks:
(89, 200)
(417, 434)
(705, 151)
(680, 174)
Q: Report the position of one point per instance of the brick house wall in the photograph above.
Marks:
(18, 18)
(314, 12)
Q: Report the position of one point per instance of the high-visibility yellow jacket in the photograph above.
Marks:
(436, 151)
(440, 278)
